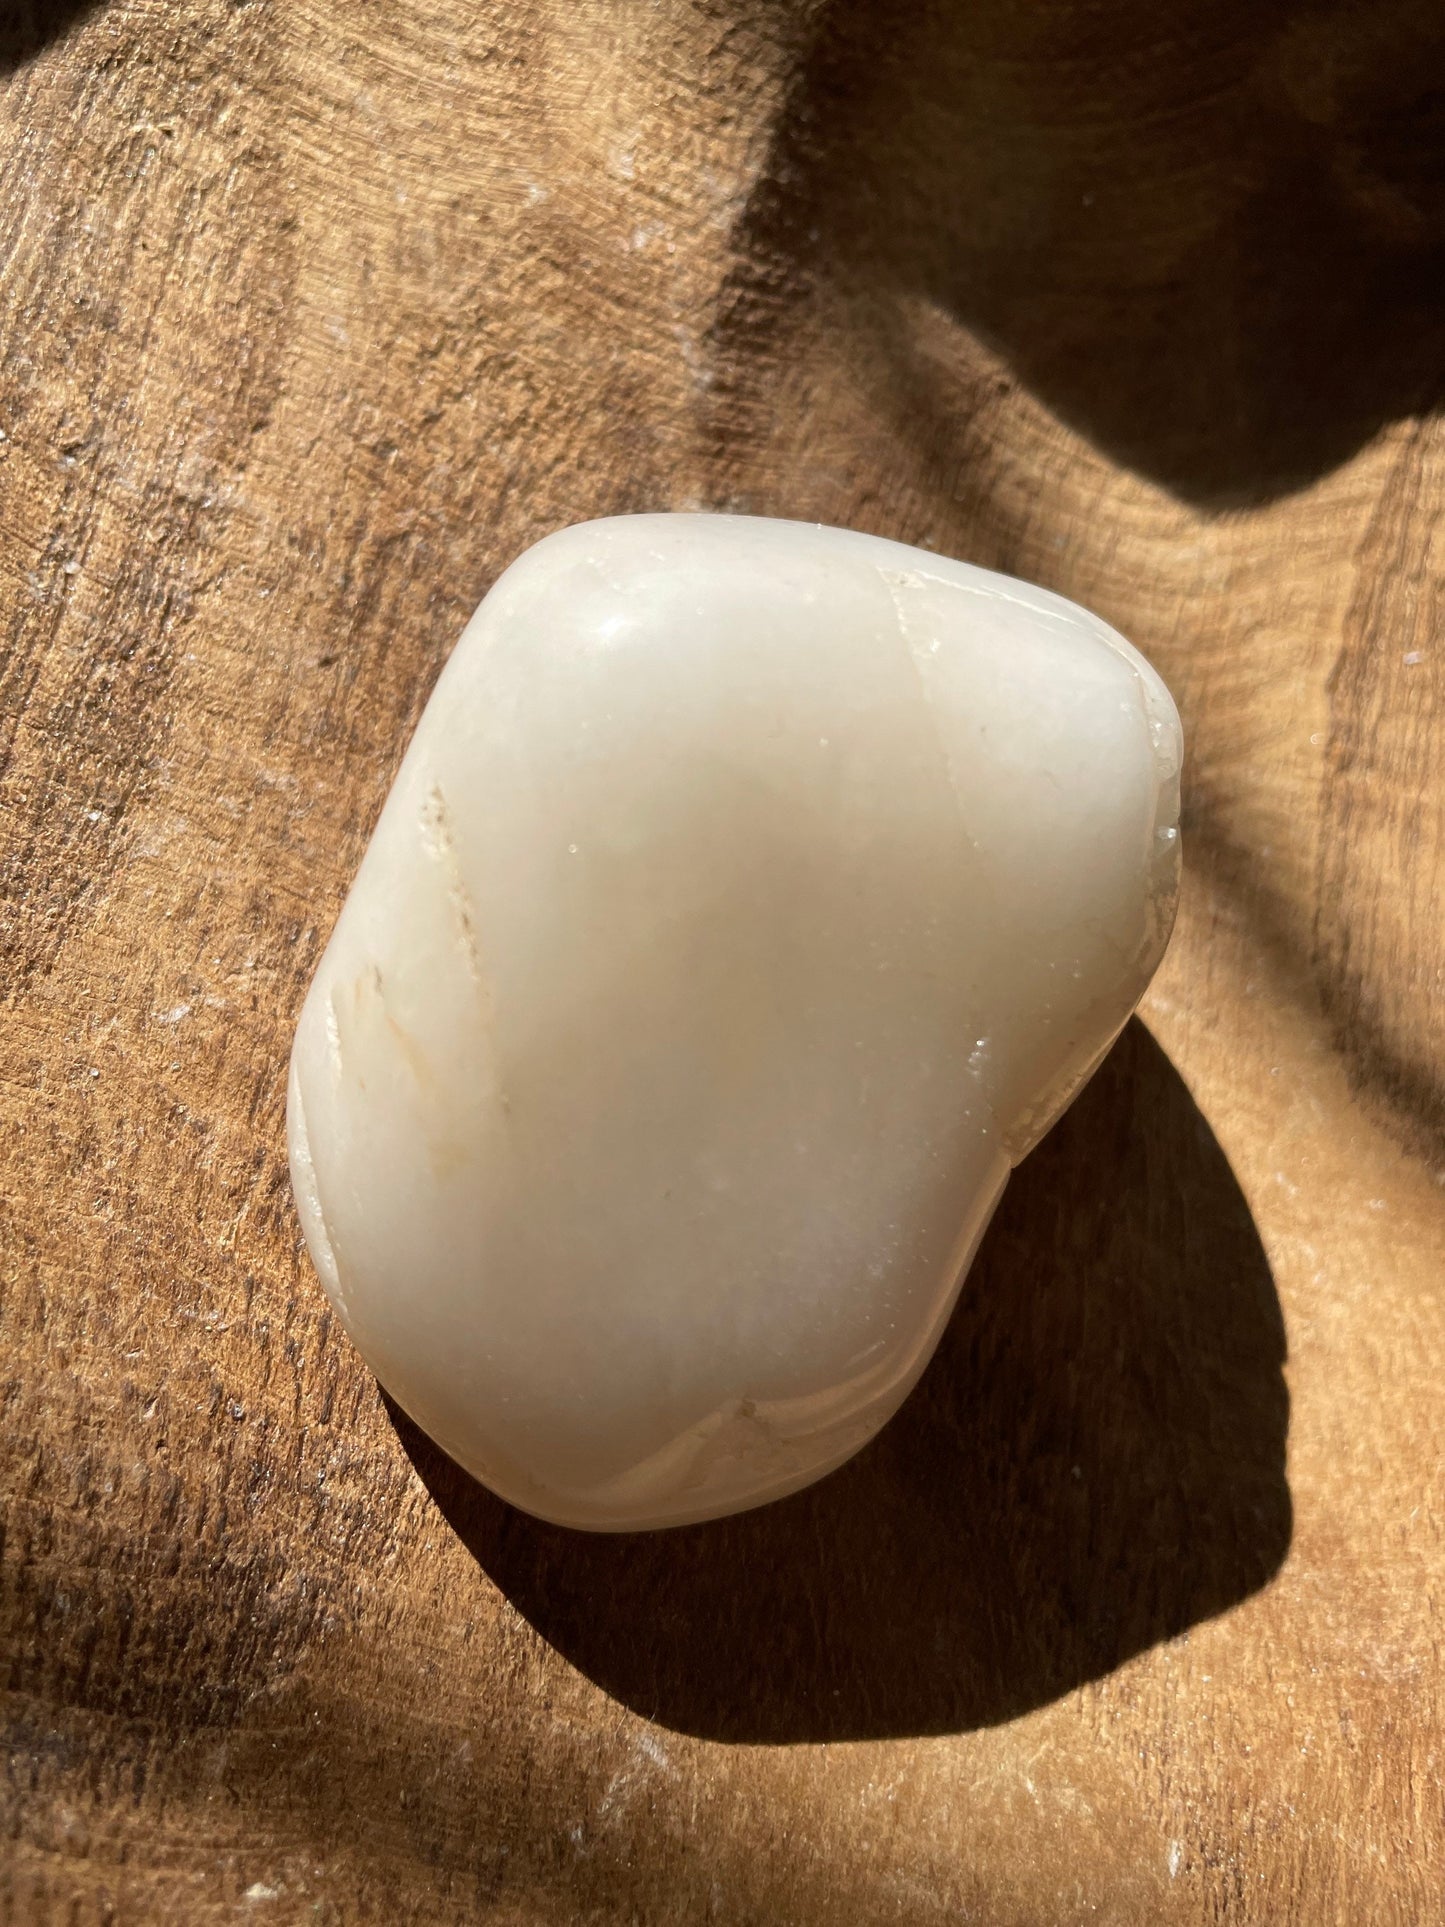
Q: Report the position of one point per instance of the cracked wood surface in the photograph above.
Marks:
(311, 318)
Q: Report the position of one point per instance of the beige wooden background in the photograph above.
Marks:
(313, 313)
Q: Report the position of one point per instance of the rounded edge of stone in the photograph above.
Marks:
(304, 1186)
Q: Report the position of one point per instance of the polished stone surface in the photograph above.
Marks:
(752, 897)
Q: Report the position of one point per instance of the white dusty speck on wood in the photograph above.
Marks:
(752, 897)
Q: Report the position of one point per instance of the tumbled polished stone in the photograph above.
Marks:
(752, 897)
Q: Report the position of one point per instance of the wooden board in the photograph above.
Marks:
(311, 317)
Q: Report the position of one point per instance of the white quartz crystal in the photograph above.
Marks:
(752, 897)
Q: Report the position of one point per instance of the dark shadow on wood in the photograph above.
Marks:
(28, 26)
(1209, 234)
(1094, 1462)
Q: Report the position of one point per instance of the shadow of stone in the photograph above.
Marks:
(1094, 1462)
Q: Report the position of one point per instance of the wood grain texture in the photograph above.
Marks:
(311, 317)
